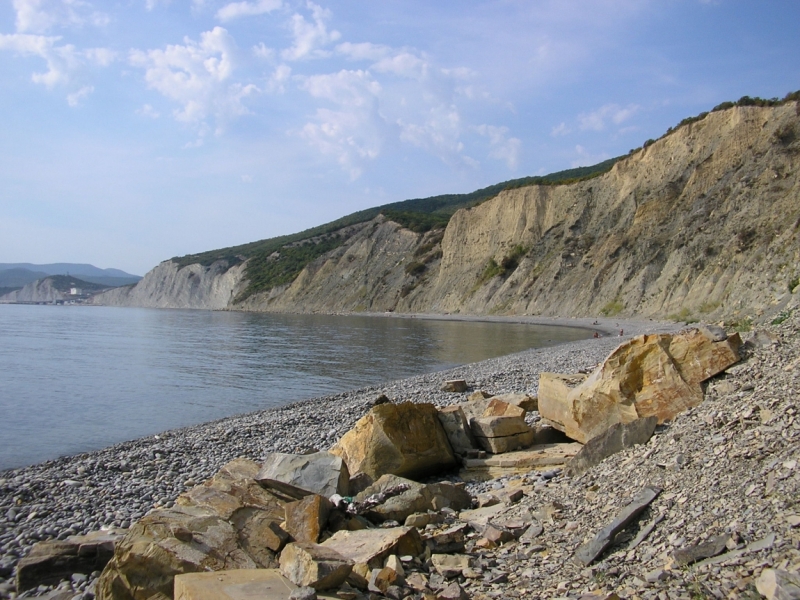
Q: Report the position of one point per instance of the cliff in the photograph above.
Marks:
(168, 286)
(703, 223)
(42, 290)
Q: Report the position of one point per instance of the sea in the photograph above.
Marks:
(80, 378)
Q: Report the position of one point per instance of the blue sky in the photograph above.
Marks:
(138, 130)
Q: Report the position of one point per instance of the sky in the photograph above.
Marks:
(138, 130)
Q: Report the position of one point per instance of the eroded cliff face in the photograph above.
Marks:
(704, 223)
(168, 286)
(36, 291)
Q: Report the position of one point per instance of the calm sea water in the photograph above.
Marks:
(74, 379)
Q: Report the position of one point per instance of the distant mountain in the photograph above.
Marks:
(17, 275)
(17, 278)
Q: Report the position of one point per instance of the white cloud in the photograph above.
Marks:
(39, 16)
(279, 77)
(101, 56)
(501, 146)
(152, 4)
(75, 98)
(353, 133)
(404, 64)
(261, 51)
(363, 51)
(197, 76)
(310, 37)
(438, 131)
(148, 111)
(61, 60)
(235, 10)
(353, 88)
(560, 129)
(598, 119)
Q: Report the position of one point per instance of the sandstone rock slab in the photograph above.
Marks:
(649, 375)
(524, 401)
(296, 475)
(238, 584)
(500, 408)
(314, 565)
(614, 439)
(777, 584)
(371, 546)
(404, 439)
(499, 434)
(519, 462)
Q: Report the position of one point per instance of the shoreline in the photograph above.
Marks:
(115, 486)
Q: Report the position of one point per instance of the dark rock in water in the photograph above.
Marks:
(616, 438)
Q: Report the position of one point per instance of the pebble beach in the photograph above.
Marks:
(113, 487)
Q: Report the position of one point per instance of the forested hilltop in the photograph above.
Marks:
(701, 223)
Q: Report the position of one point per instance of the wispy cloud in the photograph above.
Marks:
(598, 120)
(148, 111)
(40, 16)
(198, 76)
(236, 10)
(75, 98)
(502, 147)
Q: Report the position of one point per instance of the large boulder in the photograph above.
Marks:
(402, 439)
(229, 522)
(299, 475)
(650, 375)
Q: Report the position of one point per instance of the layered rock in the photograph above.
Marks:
(650, 375)
(228, 522)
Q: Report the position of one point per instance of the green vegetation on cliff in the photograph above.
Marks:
(277, 261)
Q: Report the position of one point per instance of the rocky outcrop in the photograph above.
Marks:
(703, 222)
(42, 290)
(169, 286)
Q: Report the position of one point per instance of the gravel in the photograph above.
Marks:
(118, 485)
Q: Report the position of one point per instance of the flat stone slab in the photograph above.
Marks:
(521, 461)
(238, 584)
(589, 551)
(373, 545)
